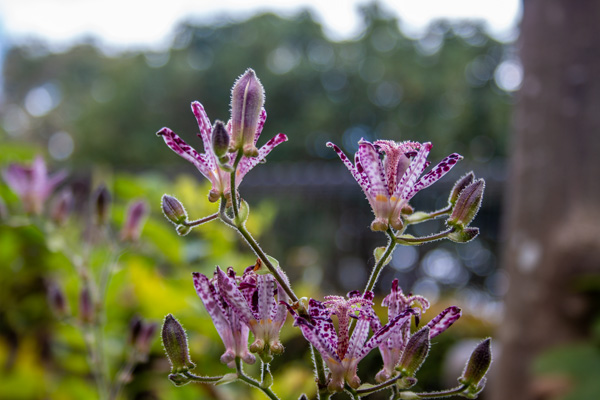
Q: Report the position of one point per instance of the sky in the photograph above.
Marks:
(146, 24)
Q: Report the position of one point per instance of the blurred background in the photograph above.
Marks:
(509, 86)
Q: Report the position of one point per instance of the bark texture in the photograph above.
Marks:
(552, 223)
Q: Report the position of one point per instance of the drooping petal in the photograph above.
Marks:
(322, 321)
(443, 320)
(435, 174)
(234, 298)
(317, 339)
(247, 163)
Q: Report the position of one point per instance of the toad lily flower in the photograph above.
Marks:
(208, 163)
(233, 331)
(390, 183)
(254, 303)
(32, 183)
(398, 304)
(341, 352)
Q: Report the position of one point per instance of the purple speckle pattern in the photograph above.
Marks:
(443, 320)
(389, 183)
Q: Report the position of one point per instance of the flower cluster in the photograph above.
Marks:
(253, 303)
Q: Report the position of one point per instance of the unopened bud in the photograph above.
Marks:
(57, 300)
(173, 209)
(247, 100)
(86, 305)
(61, 208)
(467, 205)
(101, 205)
(134, 222)
(459, 187)
(220, 139)
(145, 338)
(176, 346)
(179, 380)
(414, 353)
(303, 397)
(478, 365)
(464, 236)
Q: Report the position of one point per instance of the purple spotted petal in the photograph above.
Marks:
(357, 172)
(317, 339)
(206, 292)
(234, 298)
(204, 125)
(443, 321)
(261, 123)
(381, 335)
(373, 168)
(265, 289)
(248, 163)
(435, 174)
(321, 319)
(412, 173)
(359, 336)
(179, 146)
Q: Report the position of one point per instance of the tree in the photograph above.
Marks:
(553, 200)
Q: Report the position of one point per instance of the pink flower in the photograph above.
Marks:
(208, 163)
(32, 183)
(390, 183)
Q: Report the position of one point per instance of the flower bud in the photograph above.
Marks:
(134, 222)
(467, 205)
(179, 380)
(135, 328)
(459, 186)
(464, 236)
(145, 338)
(478, 365)
(61, 208)
(57, 300)
(173, 209)
(414, 353)
(176, 346)
(220, 139)
(86, 305)
(247, 100)
(101, 205)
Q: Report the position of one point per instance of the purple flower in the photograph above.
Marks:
(398, 304)
(208, 163)
(32, 183)
(253, 301)
(232, 330)
(390, 183)
(342, 352)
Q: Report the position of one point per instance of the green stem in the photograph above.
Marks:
(320, 372)
(123, 376)
(381, 263)
(232, 189)
(443, 393)
(201, 220)
(417, 218)
(353, 393)
(411, 241)
(252, 382)
(202, 379)
(382, 385)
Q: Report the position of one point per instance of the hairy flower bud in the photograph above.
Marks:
(61, 208)
(464, 236)
(173, 209)
(467, 205)
(176, 346)
(247, 100)
(101, 205)
(477, 366)
(134, 222)
(220, 139)
(414, 353)
(459, 186)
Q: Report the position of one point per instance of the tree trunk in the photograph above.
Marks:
(552, 218)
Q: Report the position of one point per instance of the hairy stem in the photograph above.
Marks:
(201, 220)
(202, 379)
(252, 382)
(408, 240)
(381, 263)
(443, 393)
